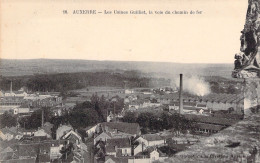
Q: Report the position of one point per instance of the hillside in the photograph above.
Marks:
(159, 69)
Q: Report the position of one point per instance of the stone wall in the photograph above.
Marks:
(247, 63)
(252, 96)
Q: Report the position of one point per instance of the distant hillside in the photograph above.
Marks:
(159, 69)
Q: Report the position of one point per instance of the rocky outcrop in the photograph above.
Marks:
(237, 144)
(247, 62)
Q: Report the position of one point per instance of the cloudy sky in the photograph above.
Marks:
(39, 29)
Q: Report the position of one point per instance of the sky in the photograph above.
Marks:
(39, 29)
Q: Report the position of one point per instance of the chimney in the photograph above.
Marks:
(42, 117)
(11, 87)
(180, 96)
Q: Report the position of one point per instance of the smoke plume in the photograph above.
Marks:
(194, 85)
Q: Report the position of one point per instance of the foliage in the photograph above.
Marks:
(116, 104)
(130, 117)
(158, 122)
(7, 120)
(35, 119)
(63, 82)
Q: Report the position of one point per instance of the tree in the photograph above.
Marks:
(35, 120)
(129, 117)
(83, 133)
(144, 119)
(83, 117)
(95, 101)
(7, 120)
(165, 118)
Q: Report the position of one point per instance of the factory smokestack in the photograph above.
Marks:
(180, 96)
(42, 117)
(11, 87)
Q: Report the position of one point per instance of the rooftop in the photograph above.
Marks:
(119, 143)
(210, 119)
(152, 137)
(130, 128)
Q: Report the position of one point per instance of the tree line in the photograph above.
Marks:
(151, 122)
(63, 82)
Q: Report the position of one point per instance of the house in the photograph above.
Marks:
(15, 94)
(119, 147)
(62, 130)
(73, 137)
(131, 129)
(6, 153)
(104, 136)
(135, 105)
(113, 159)
(7, 103)
(208, 128)
(41, 132)
(7, 150)
(148, 156)
(151, 140)
(22, 110)
(55, 150)
(29, 150)
(26, 132)
(110, 117)
(138, 147)
(154, 155)
(91, 130)
(45, 130)
(43, 150)
(111, 150)
(128, 91)
(6, 134)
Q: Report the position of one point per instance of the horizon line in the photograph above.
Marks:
(117, 60)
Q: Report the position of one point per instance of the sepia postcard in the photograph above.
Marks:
(110, 81)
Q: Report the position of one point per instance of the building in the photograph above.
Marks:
(150, 140)
(104, 136)
(135, 105)
(148, 156)
(62, 130)
(26, 132)
(42, 133)
(111, 117)
(72, 137)
(119, 147)
(112, 159)
(6, 134)
(129, 91)
(22, 110)
(117, 128)
(91, 130)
